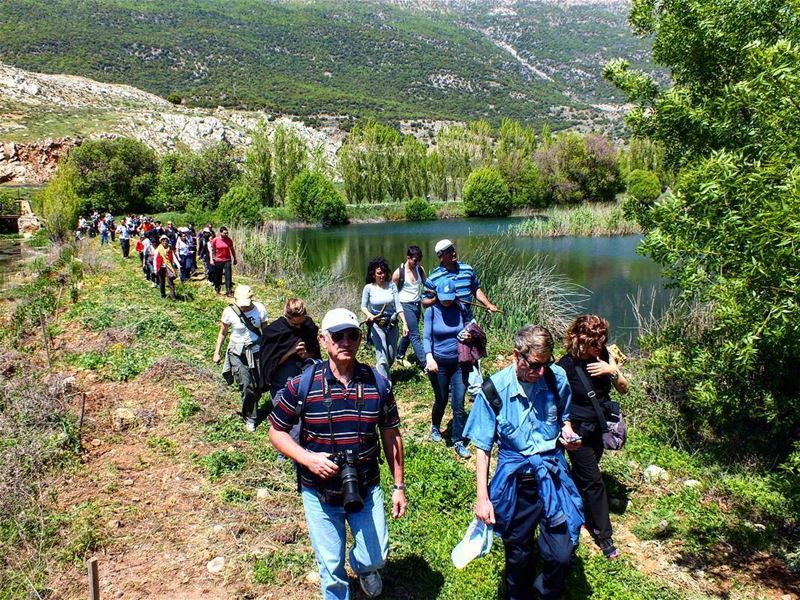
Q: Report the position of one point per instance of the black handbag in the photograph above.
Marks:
(615, 431)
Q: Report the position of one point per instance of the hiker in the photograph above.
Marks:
(289, 341)
(408, 278)
(381, 305)
(167, 267)
(467, 286)
(183, 247)
(124, 238)
(221, 255)
(337, 459)
(444, 322)
(590, 367)
(525, 408)
(102, 229)
(245, 319)
(203, 251)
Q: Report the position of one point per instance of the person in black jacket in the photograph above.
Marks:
(587, 352)
(288, 342)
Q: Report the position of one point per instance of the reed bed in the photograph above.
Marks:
(588, 220)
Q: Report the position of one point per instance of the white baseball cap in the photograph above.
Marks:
(339, 319)
(442, 245)
(242, 295)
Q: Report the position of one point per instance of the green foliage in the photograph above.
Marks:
(117, 175)
(231, 494)
(643, 190)
(187, 406)
(258, 166)
(291, 157)
(119, 363)
(162, 445)
(486, 194)
(728, 234)
(313, 198)
(281, 567)
(419, 209)
(59, 203)
(240, 205)
(585, 220)
(222, 462)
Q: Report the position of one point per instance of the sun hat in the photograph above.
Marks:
(163, 237)
(445, 290)
(339, 319)
(442, 245)
(242, 295)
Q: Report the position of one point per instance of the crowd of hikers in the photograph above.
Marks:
(332, 416)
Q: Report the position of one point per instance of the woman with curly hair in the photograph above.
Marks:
(586, 352)
(380, 303)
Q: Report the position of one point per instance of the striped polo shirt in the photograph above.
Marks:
(463, 278)
(347, 429)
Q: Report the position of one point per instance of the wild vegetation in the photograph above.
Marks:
(588, 220)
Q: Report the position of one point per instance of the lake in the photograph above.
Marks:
(608, 267)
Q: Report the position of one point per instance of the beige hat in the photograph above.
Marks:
(242, 295)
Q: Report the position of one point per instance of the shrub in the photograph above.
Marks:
(313, 198)
(174, 98)
(420, 209)
(486, 194)
(240, 205)
(59, 203)
(643, 190)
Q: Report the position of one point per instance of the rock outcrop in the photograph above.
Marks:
(28, 223)
(32, 163)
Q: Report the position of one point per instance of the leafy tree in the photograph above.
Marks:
(290, 157)
(486, 194)
(643, 190)
(59, 202)
(419, 209)
(173, 189)
(211, 173)
(258, 165)
(313, 198)
(729, 233)
(241, 204)
(117, 175)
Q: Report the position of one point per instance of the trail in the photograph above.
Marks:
(510, 50)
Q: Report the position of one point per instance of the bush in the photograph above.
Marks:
(59, 203)
(312, 198)
(240, 205)
(643, 190)
(486, 194)
(419, 209)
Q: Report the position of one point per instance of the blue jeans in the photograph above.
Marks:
(384, 341)
(326, 528)
(412, 312)
(475, 379)
(452, 374)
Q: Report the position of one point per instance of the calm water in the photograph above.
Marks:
(10, 255)
(608, 267)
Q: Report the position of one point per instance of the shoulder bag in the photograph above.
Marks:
(615, 431)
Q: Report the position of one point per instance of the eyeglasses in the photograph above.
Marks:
(596, 343)
(534, 366)
(352, 334)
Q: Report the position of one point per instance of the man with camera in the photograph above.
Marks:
(338, 404)
(524, 408)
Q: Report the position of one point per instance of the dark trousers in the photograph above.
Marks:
(165, 279)
(248, 386)
(187, 266)
(585, 462)
(412, 312)
(555, 548)
(125, 246)
(450, 379)
(220, 269)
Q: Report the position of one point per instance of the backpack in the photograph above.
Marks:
(402, 275)
(490, 391)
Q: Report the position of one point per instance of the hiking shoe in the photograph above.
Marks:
(462, 450)
(250, 425)
(436, 435)
(609, 549)
(371, 584)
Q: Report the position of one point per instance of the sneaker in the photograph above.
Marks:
(250, 425)
(153, 284)
(462, 450)
(371, 584)
(436, 435)
(609, 549)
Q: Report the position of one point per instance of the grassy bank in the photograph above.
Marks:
(167, 479)
(585, 220)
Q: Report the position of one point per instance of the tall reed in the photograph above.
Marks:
(262, 253)
(586, 220)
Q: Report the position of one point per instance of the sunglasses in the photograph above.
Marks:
(352, 334)
(596, 343)
(535, 366)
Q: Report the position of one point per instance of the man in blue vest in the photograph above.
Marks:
(524, 408)
(342, 407)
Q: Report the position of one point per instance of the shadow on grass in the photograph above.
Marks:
(410, 577)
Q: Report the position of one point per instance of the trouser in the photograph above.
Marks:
(164, 279)
(187, 264)
(451, 378)
(248, 386)
(412, 312)
(585, 463)
(384, 339)
(144, 265)
(125, 246)
(104, 238)
(475, 379)
(555, 548)
(326, 528)
(220, 269)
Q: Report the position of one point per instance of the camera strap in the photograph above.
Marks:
(328, 401)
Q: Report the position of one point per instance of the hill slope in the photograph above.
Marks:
(532, 61)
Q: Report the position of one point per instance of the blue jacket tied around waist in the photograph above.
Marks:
(561, 500)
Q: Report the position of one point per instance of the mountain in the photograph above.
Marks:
(533, 61)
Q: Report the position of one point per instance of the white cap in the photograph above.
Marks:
(242, 295)
(339, 319)
(477, 542)
(442, 245)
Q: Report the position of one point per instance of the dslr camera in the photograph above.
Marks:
(351, 497)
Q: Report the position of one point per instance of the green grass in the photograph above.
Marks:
(586, 220)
